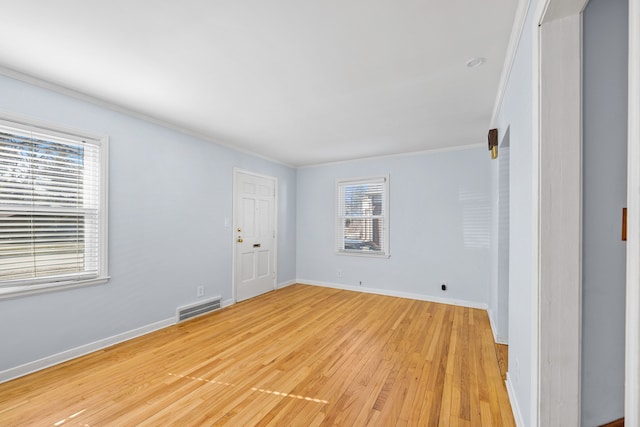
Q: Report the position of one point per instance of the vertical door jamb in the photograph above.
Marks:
(632, 334)
(557, 216)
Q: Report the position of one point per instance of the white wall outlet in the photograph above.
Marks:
(200, 291)
(339, 273)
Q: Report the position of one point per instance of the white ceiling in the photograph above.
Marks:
(302, 82)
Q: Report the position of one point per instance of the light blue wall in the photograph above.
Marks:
(516, 114)
(605, 193)
(169, 197)
(439, 226)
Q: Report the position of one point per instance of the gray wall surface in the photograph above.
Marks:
(604, 196)
(169, 197)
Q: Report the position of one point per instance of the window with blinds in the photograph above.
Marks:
(362, 223)
(52, 208)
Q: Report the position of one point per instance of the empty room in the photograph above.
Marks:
(302, 213)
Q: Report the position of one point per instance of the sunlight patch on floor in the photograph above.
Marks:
(275, 393)
(69, 418)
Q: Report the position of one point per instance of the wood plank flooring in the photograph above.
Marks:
(502, 353)
(616, 423)
(299, 356)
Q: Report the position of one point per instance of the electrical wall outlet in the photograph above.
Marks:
(339, 273)
(200, 291)
(443, 285)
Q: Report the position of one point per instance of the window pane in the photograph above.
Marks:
(47, 174)
(50, 201)
(45, 245)
(363, 200)
(363, 234)
(362, 216)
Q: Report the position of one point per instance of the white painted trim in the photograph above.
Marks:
(285, 284)
(540, 12)
(632, 339)
(46, 362)
(37, 124)
(260, 175)
(534, 400)
(510, 57)
(25, 290)
(362, 254)
(498, 339)
(559, 261)
(560, 9)
(409, 154)
(227, 303)
(8, 72)
(492, 324)
(556, 343)
(389, 293)
(232, 241)
(517, 414)
(104, 201)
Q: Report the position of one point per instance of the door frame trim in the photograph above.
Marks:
(632, 338)
(556, 221)
(236, 171)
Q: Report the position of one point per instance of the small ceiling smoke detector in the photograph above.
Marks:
(475, 62)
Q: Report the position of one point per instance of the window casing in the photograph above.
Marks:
(362, 219)
(53, 208)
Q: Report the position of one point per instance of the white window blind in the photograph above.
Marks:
(52, 207)
(363, 216)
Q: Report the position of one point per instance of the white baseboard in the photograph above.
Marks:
(515, 408)
(285, 284)
(46, 362)
(409, 295)
(498, 339)
(227, 303)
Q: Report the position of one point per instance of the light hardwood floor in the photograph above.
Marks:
(299, 356)
(502, 353)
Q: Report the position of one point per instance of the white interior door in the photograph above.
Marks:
(254, 234)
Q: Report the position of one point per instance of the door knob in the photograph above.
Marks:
(240, 239)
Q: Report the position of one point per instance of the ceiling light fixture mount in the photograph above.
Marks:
(475, 62)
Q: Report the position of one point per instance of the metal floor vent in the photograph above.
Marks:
(193, 310)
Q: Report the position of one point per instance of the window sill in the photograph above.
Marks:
(363, 254)
(24, 290)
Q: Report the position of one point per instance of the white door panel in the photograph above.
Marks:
(254, 239)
